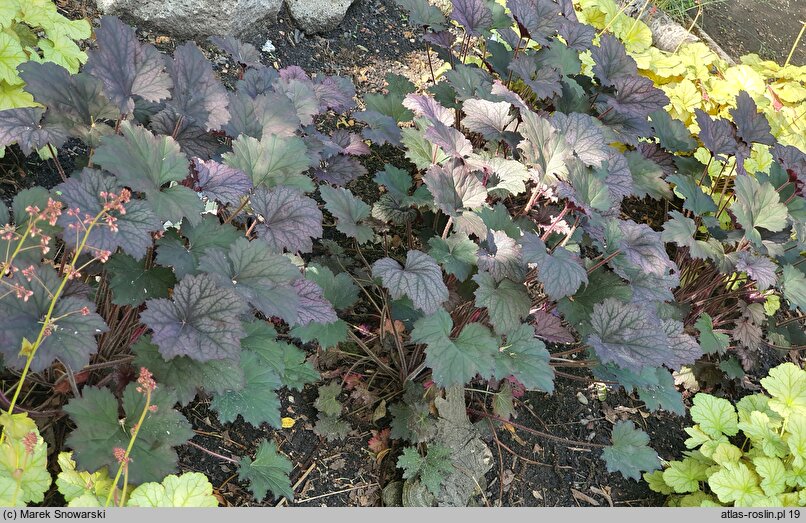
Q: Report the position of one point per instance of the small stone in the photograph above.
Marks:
(268, 47)
(318, 16)
(581, 398)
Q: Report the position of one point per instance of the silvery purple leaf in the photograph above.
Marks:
(717, 135)
(82, 191)
(473, 15)
(220, 182)
(380, 128)
(550, 328)
(501, 91)
(197, 93)
(685, 349)
(339, 170)
(303, 95)
(538, 19)
(258, 81)
(488, 118)
(792, 160)
(444, 39)
(653, 152)
(455, 188)
(420, 280)
(747, 333)
(578, 36)
(619, 179)
(612, 62)
(625, 334)
(294, 72)
(243, 53)
(452, 141)
(752, 126)
(543, 147)
(560, 272)
(584, 134)
(200, 322)
(651, 289)
(335, 92)
(270, 113)
(627, 128)
(567, 9)
(428, 107)
(349, 143)
(313, 307)
(126, 67)
(636, 96)
(287, 219)
(501, 257)
(24, 127)
(543, 81)
(760, 268)
(643, 248)
(193, 139)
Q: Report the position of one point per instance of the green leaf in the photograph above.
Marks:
(773, 474)
(256, 402)
(268, 472)
(455, 361)
(11, 55)
(273, 160)
(349, 211)
(503, 405)
(431, 469)
(327, 402)
(796, 426)
(331, 428)
(173, 251)
(561, 272)
(525, 357)
(24, 476)
(647, 177)
(132, 283)
(762, 431)
(191, 489)
(146, 163)
(326, 335)
(456, 253)
(338, 289)
(507, 302)
(793, 284)
(694, 199)
(286, 359)
(715, 416)
(711, 342)
(629, 453)
(99, 430)
(786, 384)
(657, 483)
(73, 483)
(188, 375)
(671, 133)
(684, 476)
(758, 205)
(735, 482)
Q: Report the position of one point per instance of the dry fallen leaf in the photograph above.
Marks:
(579, 496)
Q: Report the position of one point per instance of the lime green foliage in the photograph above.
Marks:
(694, 77)
(24, 475)
(82, 489)
(33, 30)
(770, 467)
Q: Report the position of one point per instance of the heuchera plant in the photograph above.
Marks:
(175, 249)
(767, 470)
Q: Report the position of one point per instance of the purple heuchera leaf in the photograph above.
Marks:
(618, 180)
(577, 36)
(611, 61)
(313, 307)
(420, 280)
(684, 348)
(502, 92)
(348, 143)
(294, 72)
(717, 135)
(201, 322)
(428, 107)
(550, 328)
(380, 128)
(455, 187)
(288, 219)
(636, 96)
(643, 248)
(126, 67)
(269, 113)
(793, 160)
(752, 126)
(193, 139)
(654, 152)
(488, 118)
(473, 15)
(543, 81)
(626, 335)
(335, 92)
(444, 39)
(584, 134)
(340, 170)
(83, 192)
(759, 268)
(25, 128)
(452, 141)
(197, 93)
(220, 182)
(72, 339)
(258, 81)
(501, 257)
(538, 19)
(244, 53)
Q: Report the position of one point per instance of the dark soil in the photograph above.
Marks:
(765, 27)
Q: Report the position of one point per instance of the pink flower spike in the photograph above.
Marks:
(29, 442)
(29, 272)
(120, 455)
(85, 311)
(146, 380)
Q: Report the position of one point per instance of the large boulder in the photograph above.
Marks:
(196, 18)
(318, 16)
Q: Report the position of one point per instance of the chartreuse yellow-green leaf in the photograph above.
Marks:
(24, 476)
(81, 488)
(796, 440)
(773, 474)
(657, 482)
(726, 453)
(715, 416)
(735, 482)
(685, 476)
(762, 431)
(191, 489)
(786, 385)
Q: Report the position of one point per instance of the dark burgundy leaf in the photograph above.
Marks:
(550, 328)
(611, 61)
(258, 81)
(539, 18)
(197, 94)
(753, 126)
(24, 127)
(473, 15)
(444, 39)
(543, 81)
(340, 170)
(194, 139)
(717, 135)
(577, 35)
(288, 219)
(335, 92)
(636, 96)
(244, 53)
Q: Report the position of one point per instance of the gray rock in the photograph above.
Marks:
(318, 16)
(196, 18)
